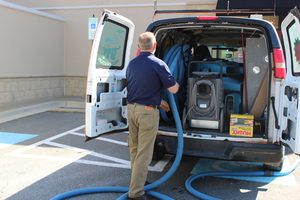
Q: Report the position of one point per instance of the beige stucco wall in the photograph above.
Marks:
(77, 45)
(31, 45)
(31, 56)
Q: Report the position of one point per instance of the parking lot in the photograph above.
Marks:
(46, 154)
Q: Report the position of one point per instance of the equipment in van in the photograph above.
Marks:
(257, 64)
(241, 125)
(205, 97)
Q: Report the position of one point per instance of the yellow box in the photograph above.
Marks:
(241, 125)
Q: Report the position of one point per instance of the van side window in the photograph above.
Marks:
(111, 51)
(294, 40)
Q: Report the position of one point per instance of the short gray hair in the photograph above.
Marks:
(146, 40)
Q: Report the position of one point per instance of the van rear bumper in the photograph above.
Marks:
(226, 150)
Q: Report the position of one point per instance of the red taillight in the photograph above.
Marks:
(207, 18)
(280, 70)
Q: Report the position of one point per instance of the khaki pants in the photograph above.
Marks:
(143, 126)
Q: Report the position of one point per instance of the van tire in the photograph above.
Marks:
(159, 150)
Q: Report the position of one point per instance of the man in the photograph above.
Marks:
(147, 77)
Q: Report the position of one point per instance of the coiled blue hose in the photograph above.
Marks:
(177, 58)
(200, 195)
(164, 178)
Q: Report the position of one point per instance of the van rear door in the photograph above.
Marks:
(290, 123)
(106, 108)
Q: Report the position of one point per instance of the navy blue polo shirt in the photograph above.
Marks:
(147, 77)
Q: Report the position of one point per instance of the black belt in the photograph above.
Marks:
(152, 106)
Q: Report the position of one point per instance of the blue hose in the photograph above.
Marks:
(200, 195)
(176, 57)
(148, 188)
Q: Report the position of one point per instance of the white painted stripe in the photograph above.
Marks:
(2, 146)
(120, 163)
(31, 10)
(105, 164)
(35, 156)
(99, 155)
(23, 149)
(112, 6)
(68, 159)
(159, 166)
(103, 139)
(82, 161)
(112, 141)
(71, 148)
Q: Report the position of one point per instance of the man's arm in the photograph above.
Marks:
(173, 89)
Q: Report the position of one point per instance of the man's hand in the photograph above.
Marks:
(164, 105)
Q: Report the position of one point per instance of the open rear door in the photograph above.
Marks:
(106, 108)
(290, 122)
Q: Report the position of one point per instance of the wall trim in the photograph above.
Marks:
(28, 77)
(111, 6)
(32, 77)
(31, 10)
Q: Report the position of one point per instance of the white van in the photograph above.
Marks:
(239, 94)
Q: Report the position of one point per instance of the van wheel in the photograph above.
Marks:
(159, 150)
(273, 166)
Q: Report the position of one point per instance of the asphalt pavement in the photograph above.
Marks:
(46, 154)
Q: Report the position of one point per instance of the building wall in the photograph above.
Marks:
(31, 45)
(75, 86)
(69, 50)
(32, 56)
(21, 89)
(77, 12)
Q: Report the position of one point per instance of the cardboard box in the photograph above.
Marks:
(241, 125)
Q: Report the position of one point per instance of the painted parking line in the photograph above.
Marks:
(158, 167)
(111, 161)
(209, 165)
(7, 139)
(103, 139)
(21, 150)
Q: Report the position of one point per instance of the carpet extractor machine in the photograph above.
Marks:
(205, 96)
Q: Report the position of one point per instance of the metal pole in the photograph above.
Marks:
(228, 6)
(154, 9)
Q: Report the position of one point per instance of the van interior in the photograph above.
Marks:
(222, 70)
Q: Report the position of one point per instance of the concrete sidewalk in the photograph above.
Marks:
(15, 111)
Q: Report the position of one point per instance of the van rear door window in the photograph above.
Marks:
(294, 40)
(111, 51)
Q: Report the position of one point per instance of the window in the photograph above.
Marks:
(112, 46)
(234, 54)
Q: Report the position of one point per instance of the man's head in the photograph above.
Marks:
(147, 42)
